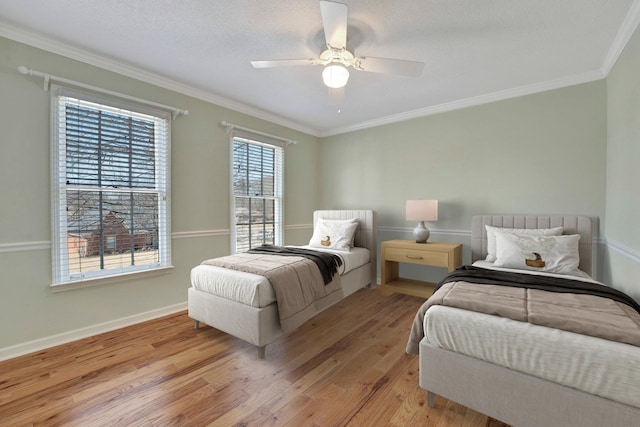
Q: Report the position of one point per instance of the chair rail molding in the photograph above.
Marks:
(199, 233)
(631, 253)
(624, 250)
(25, 246)
(434, 231)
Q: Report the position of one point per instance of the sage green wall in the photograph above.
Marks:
(199, 188)
(541, 153)
(622, 223)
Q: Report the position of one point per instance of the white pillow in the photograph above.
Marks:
(343, 222)
(552, 254)
(337, 234)
(491, 236)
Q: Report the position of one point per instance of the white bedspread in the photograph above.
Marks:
(594, 365)
(255, 290)
(604, 368)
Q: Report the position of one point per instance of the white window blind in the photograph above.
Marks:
(110, 187)
(257, 191)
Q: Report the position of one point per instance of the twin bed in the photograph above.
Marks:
(528, 354)
(243, 304)
(522, 373)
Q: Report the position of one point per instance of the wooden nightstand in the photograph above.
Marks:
(435, 254)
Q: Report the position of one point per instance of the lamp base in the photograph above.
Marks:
(421, 233)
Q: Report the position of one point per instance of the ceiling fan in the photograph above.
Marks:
(336, 59)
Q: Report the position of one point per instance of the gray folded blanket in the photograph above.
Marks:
(326, 262)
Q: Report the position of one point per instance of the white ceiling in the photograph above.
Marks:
(475, 51)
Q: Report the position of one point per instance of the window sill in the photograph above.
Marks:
(109, 279)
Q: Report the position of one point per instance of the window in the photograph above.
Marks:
(110, 187)
(257, 189)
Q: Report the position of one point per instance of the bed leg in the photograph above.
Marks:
(196, 324)
(261, 352)
(431, 399)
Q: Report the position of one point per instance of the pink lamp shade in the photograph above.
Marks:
(421, 211)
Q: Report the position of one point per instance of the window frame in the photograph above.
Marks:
(278, 146)
(62, 278)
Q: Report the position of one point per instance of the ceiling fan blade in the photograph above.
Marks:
(389, 66)
(334, 20)
(284, 63)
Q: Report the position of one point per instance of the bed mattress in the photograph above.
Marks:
(594, 365)
(255, 290)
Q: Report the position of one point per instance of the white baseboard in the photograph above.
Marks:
(66, 337)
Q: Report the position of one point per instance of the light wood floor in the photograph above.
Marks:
(347, 366)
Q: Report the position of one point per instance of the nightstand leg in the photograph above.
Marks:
(390, 272)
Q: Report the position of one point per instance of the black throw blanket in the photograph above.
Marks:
(326, 262)
(484, 276)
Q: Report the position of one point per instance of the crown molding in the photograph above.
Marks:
(627, 29)
(48, 44)
(41, 41)
(473, 101)
(629, 25)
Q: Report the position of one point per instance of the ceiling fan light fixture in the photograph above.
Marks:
(335, 75)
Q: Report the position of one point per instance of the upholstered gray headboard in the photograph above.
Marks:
(581, 225)
(366, 233)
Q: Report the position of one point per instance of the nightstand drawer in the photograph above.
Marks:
(435, 259)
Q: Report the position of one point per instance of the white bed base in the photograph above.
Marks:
(513, 397)
(510, 396)
(261, 326)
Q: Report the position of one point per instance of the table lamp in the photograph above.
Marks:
(421, 211)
